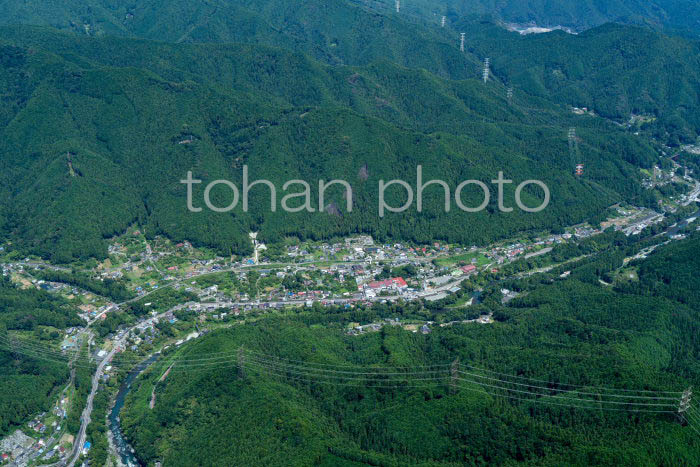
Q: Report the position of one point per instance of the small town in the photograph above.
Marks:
(187, 292)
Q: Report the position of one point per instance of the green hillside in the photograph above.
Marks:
(337, 32)
(607, 68)
(224, 19)
(104, 149)
(39, 315)
(562, 345)
(679, 16)
(610, 69)
(91, 126)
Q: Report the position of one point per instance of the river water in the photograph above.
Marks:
(123, 449)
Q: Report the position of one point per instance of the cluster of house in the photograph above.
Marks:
(363, 248)
(148, 256)
(37, 426)
(582, 111)
(399, 252)
(355, 329)
(360, 249)
(20, 448)
(90, 311)
(117, 274)
(510, 252)
(643, 221)
(145, 332)
(508, 295)
(585, 232)
(312, 295)
(374, 288)
(16, 446)
(69, 343)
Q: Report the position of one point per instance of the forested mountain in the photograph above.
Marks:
(680, 16)
(106, 120)
(107, 105)
(225, 19)
(91, 126)
(24, 372)
(609, 69)
(291, 405)
(615, 70)
(338, 32)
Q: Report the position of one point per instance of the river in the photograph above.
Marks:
(123, 449)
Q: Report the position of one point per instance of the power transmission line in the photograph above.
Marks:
(320, 373)
(669, 405)
(693, 416)
(341, 374)
(480, 390)
(484, 370)
(333, 379)
(454, 368)
(523, 378)
(368, 376)
(440, 375)
(567, 390)
(190, 364)
(454, 375)
(690, 422)
(241, 362)
(381, 377)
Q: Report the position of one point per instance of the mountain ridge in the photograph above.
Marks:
(107, 139)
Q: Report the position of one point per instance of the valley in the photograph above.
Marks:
(499, 266)
(218, 293)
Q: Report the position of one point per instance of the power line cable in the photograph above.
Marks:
(568, 390)
(481, 391)
(565, 384)
(309, 371)
(567, 398)
(691, 426)
(269, 365)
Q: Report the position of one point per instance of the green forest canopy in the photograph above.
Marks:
(107, 117)
(28, 381)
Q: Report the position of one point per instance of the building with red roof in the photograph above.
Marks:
(393, 283)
